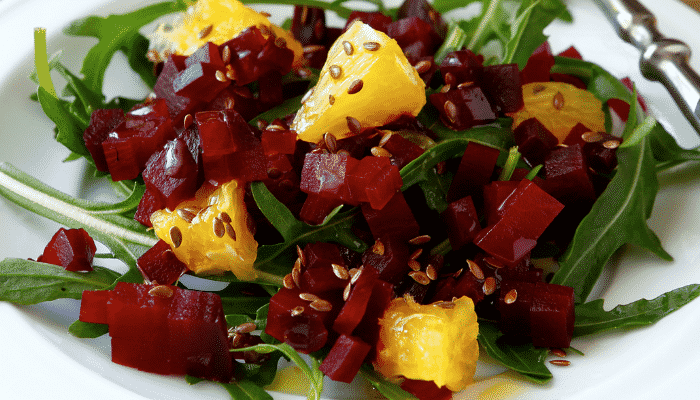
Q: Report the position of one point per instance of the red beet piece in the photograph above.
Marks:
(394, 219)
(199, 82)
(93, 306)
(208, 53)
(378, 21)
(368, 328)
(462, 222)
(150, 202)
(495, 193)
(402, 150)
(538, 65)
(121, 158)
(316, 208)
(363, 174)
(270, 91)
(534, 141)
(102, 122)
(178, 106)
(475, 170)
(282, 142)
(416, 37)
(306, 331)
(172, 173)
(461, 66)
(541, 312)
(528, 211)
(392, 263)
(319, 280)
(72, 249)
(326, 174)
(571, 52)
(322, 255)
(354, 308)
(160, 265)
(425, 11)
(567, 177)
(383, 187)
(501, 84)
(463, 108)
(239, 98)
(426, 390)
(309, 25)
(344, 360)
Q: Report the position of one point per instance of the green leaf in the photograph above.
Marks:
(617, 217)
(444, 6)
(87, 330)
(387, 389)
(455, 40)
(30, 282)
(525, 359)
(246, 390)
(592, 318)
(312, 372)
(70, 127)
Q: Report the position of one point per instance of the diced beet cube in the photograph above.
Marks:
(463, 108)
(93, 306)
(515, 315)
(172, 173)
(133, 311)
(475, 170)
(322, 255)
(270, 92)
(426, 390)
(368, 328)
(178, 106)
(495, 193)
(344, 360)
(238, 98)
(528, 212)
(461, 66)
(425, 11)
(363, 174)
(199, 82)
(501, 84)
(309, 25)
(160, 265)
(325, 174)
(102, 122)
(462, 222)
(552, 316)
(571, 52)
(150, 202)
(146, 354)
(282, 142)
(222, 132)
(413, 31)
(316, 208)
(378, 21)
(72, 249)
(273, 57)
(538, 65)
(394, 219)
(567, 177)
(319, 280)
(121, 159)
(402, 150)
(521, 275)
(354, 308)
(383, 187)
(468, 285)
(534, 141)
(306, 330)
(208, 53)
(392, 262)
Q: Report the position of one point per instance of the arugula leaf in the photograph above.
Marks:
(617, 217)
(246, 390)
(312, 372)
(525, 359)
(119, 32)
(445, 6)
(388, 389)
(30, 282)
(592, 318)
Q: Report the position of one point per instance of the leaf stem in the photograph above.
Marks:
(41, 61)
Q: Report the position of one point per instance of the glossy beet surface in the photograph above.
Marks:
(72, 249)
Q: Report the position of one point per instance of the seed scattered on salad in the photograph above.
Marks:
(591, 137)
(558, 101)
(416, 253)
(307, 96)
(475, 269)
(162, 291)
(489, 286)
(331, 99)
(423, 66)
(335, 71)
(558, 353)
(218, 227)
(562, 363)
(176, 236)
(245, 327)
(611, 144)
(414, 265)
(511, 296)
(205, 32)
(355, 274)
(378, 247)
(330, 142)
(419, 240)
(288, 281)
(348, 48)
(354, 125)
(340, 271)
(298, 310)
(380, 152)
(230, 231)
(355, 86)
(431, 272)
(321, 305)
(308, 296)
(371, 46)
(220, 76)
(450, 111)
(186, 215)
(346, 291)
(301, 256)
(420, 277)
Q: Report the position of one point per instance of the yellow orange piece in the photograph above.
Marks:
(217, 21)
(366, 77)
(435, 342)
(210, 233)
(559, 107)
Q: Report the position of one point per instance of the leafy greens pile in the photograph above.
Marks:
(504, 31)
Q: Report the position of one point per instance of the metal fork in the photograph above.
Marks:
(663, 59)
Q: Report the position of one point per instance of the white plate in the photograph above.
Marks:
(40, 360)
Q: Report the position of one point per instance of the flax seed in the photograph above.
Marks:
(176, 236)
(205, 32)
(346, 291)
(231, 75)
(288, 281)
(304, 15)
(562, 363)
(418, 240)
(347, 46)
(331, 99)
(302, 257)
(245, 327)
(592, 137)
(557, 353)
(330, 141)
(226, 54)
(511, 296)
(312, 48)
(492, 262)
(450, 111)
(163, 291)
(335, 71)
(262, 124)
(220, 76)
(450, 79)
(230, 231)
(458, 273)
(355, 276)
(296, 277)
(445, 304)
(420, 277)
(423, 66)
(187, 121)
(354, 125)
(265, 14)
(265, 30)
(431, 272)
(308, 297)
(340, 271)
(307, 95)
(371, 46)
(355, 86)
(489, 285)
(538, 88)
(321, 305)
(475, 269)
(275, 128)
(378, 247)
(445, 88)
(153, 56)
(414, 265)
(298, 310)
(416, 254)
(380, 152)
(611, 144)
(558, 101)
(464, 84)
(186, 215)
(218, 227)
